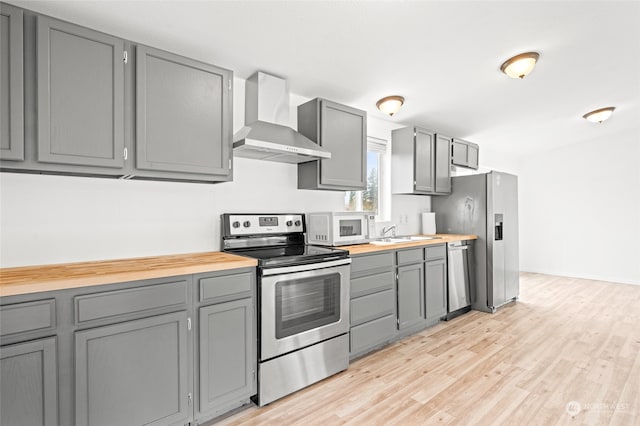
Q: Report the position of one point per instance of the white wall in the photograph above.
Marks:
(580, 210)
(57, 219)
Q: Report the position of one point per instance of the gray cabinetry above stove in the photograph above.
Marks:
(343, 131)
(177, 131)
(11, 84)
(94, 108)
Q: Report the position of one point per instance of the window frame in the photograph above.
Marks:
(381, 147)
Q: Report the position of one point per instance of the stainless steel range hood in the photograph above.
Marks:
(266, 135)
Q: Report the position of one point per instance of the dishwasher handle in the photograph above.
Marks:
(458, 248)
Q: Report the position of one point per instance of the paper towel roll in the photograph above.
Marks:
(428, 223)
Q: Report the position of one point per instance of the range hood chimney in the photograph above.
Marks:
(265, 135)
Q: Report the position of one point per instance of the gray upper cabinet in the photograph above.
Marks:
(11, 84)
(341, 130)
(81, 102)
(464, 153)
(133, 373)
(423, 161)
(29, 384)
(183, 115)
(80, 95)
(420, 162)
(443, 164)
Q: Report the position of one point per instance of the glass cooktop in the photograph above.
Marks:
(291, 255)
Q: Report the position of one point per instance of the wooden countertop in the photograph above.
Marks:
(371, 248)
(33, 279)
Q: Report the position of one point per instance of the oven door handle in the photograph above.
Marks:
(307, 267)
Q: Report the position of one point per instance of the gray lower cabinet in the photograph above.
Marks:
(227, 341)
(343, 131)
(464, 153)
(420, 162)
(133, 373)
(183, 115)
(29, 383)
(411, 302)
(373, 302)
(11, 84)
(80, 95)
(435, 272)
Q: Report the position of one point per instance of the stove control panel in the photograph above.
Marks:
(258, 224)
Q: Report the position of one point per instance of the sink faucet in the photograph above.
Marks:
(389, 228)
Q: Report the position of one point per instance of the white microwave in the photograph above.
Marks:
(339, 228)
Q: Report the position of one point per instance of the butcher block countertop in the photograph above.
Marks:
(372, 248)
(33, 279)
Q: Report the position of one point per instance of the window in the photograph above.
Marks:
(373, 198)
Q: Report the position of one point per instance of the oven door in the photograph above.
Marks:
(303, 305)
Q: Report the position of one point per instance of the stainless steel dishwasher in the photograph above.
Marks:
(460, 266)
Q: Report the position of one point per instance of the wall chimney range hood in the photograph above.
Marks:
(265, 135)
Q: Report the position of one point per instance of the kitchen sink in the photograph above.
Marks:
(403, 239)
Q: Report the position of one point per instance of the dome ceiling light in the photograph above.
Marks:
(520, 65)
(599, 115)
(390, 104)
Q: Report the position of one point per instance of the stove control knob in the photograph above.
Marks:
(236, 224)
(289, 223)
(298, 223)
(246, 224)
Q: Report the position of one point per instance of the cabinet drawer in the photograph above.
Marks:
(373, 333)
(410, 256)
(29, 316)
(372, 306)
(371, 263)
(123, 302)
(214, 287)
(435, 252)
(371, 284)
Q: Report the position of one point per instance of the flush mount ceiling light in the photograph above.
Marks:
(599, 115)
(520, 65)
(390, 104)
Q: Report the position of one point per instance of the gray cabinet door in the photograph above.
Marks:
(183, 114)
(11, 84)
(133, 373)
(410, 295)
(435, 285)
(29, 384)
(443, 164)
(341, 130)
(472, 156)
(227, 354)
(459, 152)
(344, 133)
(80, 101)
(424, 157)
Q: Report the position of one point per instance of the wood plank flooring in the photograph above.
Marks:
(568, 352)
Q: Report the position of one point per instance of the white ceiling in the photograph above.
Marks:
(443, 57)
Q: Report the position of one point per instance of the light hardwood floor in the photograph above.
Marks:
(565, 340)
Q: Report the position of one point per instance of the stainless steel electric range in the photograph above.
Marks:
(303, 301)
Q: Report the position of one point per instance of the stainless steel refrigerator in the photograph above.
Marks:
(485, 205)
